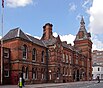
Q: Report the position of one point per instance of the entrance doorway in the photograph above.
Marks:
(78, 75)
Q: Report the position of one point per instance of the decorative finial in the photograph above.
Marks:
(82, 20)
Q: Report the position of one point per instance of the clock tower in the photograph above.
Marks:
(84, 43)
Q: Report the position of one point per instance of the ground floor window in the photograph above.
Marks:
(34, 73)
(50, 76)
(6, 73)
(27, 73)
(101, 76)
(43, 76)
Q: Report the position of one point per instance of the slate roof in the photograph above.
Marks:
(67, 46)
(14, 33)
(95, 65)
(36, 41)
(50, 41)
(18, 33)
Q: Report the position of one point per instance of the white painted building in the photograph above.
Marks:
(97, 71)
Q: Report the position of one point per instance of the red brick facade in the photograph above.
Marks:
(48, 59)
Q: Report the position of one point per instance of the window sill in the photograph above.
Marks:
(24, 58)
(33, 60)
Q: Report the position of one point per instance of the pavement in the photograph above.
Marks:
(83, 84)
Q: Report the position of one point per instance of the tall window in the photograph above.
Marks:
(43, 76)
(98, 69)
(34, 73)
(66, 72)
(23, 72)
(63, 57)
(58, 72)
(70, 58)
(6, 73)
(34, 54)
(76, 61)
(66, 58)
(42, 56)
(6, 53)
(27, 73)
(70, 72)
(63, 71)
(24, 51)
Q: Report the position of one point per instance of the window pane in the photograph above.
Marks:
(42, 58)
(6, 73)
(24, 51)
(34, 54)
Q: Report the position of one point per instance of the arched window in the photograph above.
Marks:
(58, 72)
(27, 73)
(24, 50)
(63, 57)
(34, 73)
(66, 58)
(34, 54)
(63, 71)
(42, 58)
(43, 74)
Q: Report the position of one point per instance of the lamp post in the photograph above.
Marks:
(2, 41)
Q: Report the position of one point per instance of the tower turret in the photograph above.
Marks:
(84, 43)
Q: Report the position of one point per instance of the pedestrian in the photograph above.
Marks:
(98, 79)
(20, 82)
(23, 81)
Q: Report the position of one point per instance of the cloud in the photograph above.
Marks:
(69, 38)
(97, 44)
(37, 37)
(96, 23)
(87, 3)
(0, 37)
(18, 3)
(72, 7)
(96, 15)
(78, 17)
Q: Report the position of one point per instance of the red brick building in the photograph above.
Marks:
(48, 59)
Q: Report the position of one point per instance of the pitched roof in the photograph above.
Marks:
(18, 33)
(14, 33)
(67, 46)
(36, 41)
(50, 41)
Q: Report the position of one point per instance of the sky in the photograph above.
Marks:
(65, 15)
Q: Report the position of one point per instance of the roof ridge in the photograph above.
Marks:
(18, 34)
(33, 37)
(27, 37)
(44, 43)
(15, 28)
